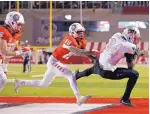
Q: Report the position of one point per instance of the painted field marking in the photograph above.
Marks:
(52, 108)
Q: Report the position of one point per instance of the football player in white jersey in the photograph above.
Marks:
(120, 45)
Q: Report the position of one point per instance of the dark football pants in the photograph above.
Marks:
(27, 63)
(118, 74)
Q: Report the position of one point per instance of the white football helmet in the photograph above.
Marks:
(132, 34)
(15, 20)
(75, 28)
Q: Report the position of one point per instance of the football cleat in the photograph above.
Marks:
(127, 103)
(83, 99)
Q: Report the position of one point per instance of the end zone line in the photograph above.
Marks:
(36, 99)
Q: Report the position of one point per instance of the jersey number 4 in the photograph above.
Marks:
(111, 46)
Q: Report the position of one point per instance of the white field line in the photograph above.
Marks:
(54, 108)
(39, 75)
(16, 72)
(10, 80)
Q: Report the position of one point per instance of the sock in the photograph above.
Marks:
(73, 85)
(3, 80)
(2, 84)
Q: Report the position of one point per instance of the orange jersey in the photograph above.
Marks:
(62, 54)
(10, 39)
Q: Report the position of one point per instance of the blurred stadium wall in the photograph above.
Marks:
(100, 18)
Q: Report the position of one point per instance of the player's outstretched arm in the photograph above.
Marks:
(80, 52)
(6, 52)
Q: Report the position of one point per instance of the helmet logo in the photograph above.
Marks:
(73, 27)
(16, 17)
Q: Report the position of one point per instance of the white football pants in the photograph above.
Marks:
(3, 78)
(54, 68)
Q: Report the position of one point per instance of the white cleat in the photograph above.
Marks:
(83, 99)
(17, 84)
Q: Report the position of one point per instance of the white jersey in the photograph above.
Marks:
(114, 51)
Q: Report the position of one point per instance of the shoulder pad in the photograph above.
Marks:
(117, 35)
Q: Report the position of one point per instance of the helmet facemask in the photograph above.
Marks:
(77, 30)
(80, 34)
(132, 35)
(19, 27)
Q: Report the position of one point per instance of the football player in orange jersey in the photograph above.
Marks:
(72, 44)
(9, 34)
(6, 59)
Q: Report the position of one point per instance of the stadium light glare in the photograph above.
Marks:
(68, 17)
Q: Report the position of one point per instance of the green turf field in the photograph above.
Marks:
(94, 84)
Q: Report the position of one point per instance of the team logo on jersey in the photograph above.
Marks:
(16, 17)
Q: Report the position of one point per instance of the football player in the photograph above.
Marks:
(56, 63)
(120, 45)
(10, 32)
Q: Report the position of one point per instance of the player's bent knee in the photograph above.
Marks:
(135, 73)
(43, 85)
